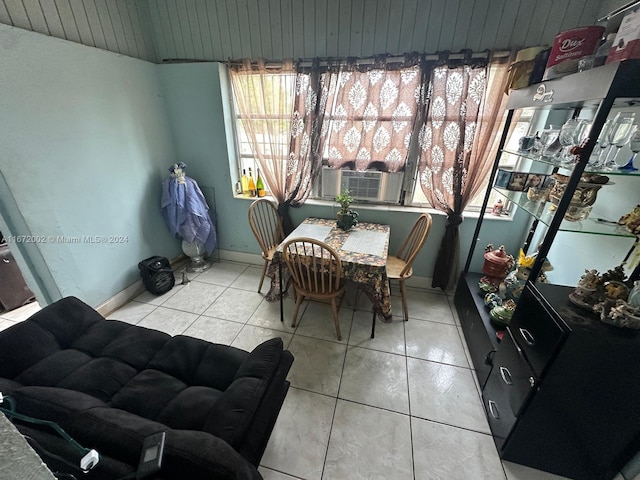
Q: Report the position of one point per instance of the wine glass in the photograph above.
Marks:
(618, 136)
(634, 145)
(603, 142)
(568, 137)
(580, 135)
(547, 137)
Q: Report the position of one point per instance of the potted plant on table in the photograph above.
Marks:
(347, 218)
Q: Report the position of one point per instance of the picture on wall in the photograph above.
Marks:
(503, 178)
(518, 181)
(534, 180)
(549, 182)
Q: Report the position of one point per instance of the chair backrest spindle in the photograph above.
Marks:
(266, 224)
(314, 265)
(414, 241)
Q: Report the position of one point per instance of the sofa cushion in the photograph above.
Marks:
(113, 431)
(66, 320)
(8, 386)
(55, 404)
(200, 456)
(148, 393)
(198, 362)
(14, 357)
(189, 409)
(53, 368)
(128, 343)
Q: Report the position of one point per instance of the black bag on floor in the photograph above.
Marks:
(157, 275)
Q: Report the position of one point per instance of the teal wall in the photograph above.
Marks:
(194, 99)
(86, 139)
(84, 147)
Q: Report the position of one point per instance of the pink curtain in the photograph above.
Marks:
(457, 145)
(264, 96)
(371, 112)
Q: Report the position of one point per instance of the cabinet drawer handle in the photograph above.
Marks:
(506, 375)
(528, 338)
(493, 408)
(532, 382)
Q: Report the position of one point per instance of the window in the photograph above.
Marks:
(368, 138)
(271, 127)
(368, 131)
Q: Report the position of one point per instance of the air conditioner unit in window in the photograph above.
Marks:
(372, 186)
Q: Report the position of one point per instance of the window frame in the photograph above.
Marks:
(410, 173)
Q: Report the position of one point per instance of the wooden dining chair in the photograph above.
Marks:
(399, 266)
(266, 225)
(316, 273)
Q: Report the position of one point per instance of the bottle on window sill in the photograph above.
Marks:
(252, 185)
(260, 186)
(245, 183)
(497, 208)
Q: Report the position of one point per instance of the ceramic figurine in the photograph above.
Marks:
(497, 264)
(634, 295)
(492, 300)
(516, 279)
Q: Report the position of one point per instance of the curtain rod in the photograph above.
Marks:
(619, 10)
(323, 61)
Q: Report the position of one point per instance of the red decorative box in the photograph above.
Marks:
(569, 47)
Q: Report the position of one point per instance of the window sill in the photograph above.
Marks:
(389, 208)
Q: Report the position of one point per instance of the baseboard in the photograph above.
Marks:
(241, 257)
(119, 299)
(110, 305)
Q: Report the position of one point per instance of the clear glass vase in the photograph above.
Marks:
(195, 251)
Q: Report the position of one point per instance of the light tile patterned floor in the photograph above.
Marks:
(404, 405)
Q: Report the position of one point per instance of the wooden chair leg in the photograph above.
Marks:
(295, 312)
(336, 320)
(264, 272)
(403, 294)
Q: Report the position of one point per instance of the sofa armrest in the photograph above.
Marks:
(233, 412)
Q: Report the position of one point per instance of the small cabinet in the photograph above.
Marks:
(538, 332)
(509, 385)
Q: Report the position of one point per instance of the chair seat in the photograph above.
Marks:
(395, 266)
(268, 255)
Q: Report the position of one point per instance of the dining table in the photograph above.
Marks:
(363, 253)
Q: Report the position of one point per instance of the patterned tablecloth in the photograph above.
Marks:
(363, 253)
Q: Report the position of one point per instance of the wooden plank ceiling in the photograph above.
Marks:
(206, 30)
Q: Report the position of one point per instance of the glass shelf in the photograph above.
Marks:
(545, 211)
(547, 161)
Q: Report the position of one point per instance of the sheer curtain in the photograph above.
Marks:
(457, 146)
(304, 160)
(264, 98)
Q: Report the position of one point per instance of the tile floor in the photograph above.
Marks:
(404, 405)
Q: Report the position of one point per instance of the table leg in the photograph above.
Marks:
(373, 325)
(281, 294)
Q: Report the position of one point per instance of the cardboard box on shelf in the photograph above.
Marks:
(627, 42)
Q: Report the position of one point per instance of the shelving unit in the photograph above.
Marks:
(551, 383)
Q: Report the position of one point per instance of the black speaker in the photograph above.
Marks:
(157, 275)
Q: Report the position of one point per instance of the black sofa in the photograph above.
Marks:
(110, 384)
